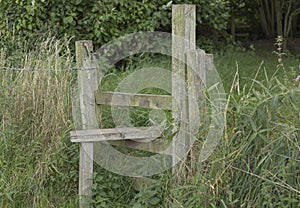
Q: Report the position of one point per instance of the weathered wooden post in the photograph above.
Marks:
(87, 84)
(196, 81)
(183, 39)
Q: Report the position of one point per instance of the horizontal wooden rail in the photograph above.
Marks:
(114, 134)
(163, 102)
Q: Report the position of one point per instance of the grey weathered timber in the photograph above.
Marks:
(135, 100)
(196, 79)
(131, 137)
(87, 84)
(209, 62)
(183, 39)
(113, 134)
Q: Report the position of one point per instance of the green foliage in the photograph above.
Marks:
(244, 11)
(151, 196)
(214, 13)
(257, 162)
(100, 21)
(111, 19)
(255, 165)
(263, 123)
(111, 190)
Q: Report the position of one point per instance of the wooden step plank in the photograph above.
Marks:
(135, 100)
(98, 135)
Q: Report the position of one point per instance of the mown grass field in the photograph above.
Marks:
(255, 165)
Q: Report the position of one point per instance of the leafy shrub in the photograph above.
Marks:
(111, 190)
(152, 195)
(100, 21)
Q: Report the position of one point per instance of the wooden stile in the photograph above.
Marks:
(189, 67)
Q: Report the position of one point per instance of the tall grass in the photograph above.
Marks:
(37, 162)
(257, 162)
(248, 62)
(255, 165)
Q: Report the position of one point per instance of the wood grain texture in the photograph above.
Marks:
(135, 100)
(196, 79)
(196, 74)
(209, 62)
(98, 135)
(140, 138)
(183, 39)
(87, 84)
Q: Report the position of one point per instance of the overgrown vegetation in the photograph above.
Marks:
(38, 164)
(100, 21)
(256, 163)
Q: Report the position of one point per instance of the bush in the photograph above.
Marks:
(100, 21)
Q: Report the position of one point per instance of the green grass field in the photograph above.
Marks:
(255, 165)
(252, 65)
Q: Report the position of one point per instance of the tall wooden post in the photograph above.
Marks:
(183, 39)
(87, 83)
(196, 80)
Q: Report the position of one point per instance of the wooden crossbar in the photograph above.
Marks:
(113, 134)
(152, 101)
(139, 138)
